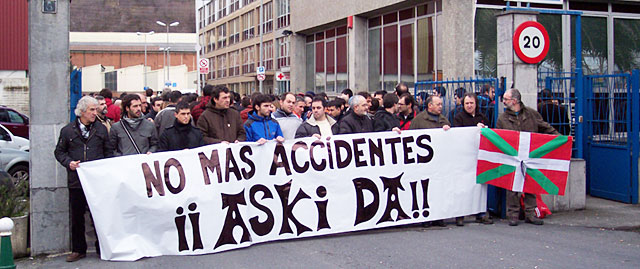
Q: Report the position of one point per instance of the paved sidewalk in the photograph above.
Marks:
(600, 213)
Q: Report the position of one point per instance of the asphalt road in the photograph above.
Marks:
(472, 246)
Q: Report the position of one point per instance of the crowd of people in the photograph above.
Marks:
(150, 122)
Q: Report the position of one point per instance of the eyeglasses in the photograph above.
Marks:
(507, 99)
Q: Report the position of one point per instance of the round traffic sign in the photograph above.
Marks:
(261, 77)
(531, 42)
(203, 63)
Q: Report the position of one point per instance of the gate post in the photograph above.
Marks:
(580, 92)
(521, 75)
(635, 134)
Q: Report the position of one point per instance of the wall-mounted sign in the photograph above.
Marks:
(49, 6)
(531, 42)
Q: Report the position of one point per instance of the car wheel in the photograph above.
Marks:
(19, 173)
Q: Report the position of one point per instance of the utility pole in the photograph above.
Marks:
(144, 68)
(175, 23)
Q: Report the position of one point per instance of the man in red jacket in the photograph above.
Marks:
(113, 111)
(200, 107)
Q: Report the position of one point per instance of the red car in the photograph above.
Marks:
(15, 121)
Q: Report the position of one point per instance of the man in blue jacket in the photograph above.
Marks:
(260, 127)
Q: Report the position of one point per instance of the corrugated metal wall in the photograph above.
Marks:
(14, 35)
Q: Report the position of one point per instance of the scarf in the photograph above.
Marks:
(133, 123)
(84, 129)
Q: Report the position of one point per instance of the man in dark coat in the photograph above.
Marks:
(518, 117)
(406, 111)
(319, 124)
(357, 121)
(182, 134)
(197, 110)
(218, 123)
(553, 113)
(133, 134)
(80, 141)
(471, 115)
(385, 119)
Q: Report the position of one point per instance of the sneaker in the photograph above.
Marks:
(460, 221)
(75, 256)
(534, 221)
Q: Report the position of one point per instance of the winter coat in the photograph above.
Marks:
(310, 127)
(258, 127)
(465, 119)
(244, 114)
(289, 123)
(425, 121)
(353, 123)
(556, 116)
(72, 146)
(455, 111)
(219, 125)
(384, 121)
(144, 135)
(113, 111)
(197, 110)
(180, 136)
(405, 122)
(527, 120)
(165, 119)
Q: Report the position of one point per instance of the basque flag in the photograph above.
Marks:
(524, 162)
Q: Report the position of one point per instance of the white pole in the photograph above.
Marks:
(144, 68)
(168, 56)
(261, 32)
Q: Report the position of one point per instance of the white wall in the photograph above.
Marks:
(92, 78)
(14, 90)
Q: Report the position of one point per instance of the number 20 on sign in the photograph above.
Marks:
(531, 42)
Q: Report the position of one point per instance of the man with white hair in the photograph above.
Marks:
(357, 121)
(82, 140)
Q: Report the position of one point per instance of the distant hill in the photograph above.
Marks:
(132, 15)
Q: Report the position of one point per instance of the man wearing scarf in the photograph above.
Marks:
(133, 134)
(80, 141)
(182, 135)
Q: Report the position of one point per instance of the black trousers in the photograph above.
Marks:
(78, 206)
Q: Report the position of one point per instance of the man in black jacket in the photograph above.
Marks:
(182, 134)
(80, 141)
(385, 119)
(356, 121)
(471, 115)
(319, 124)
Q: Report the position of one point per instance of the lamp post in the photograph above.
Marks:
(145, 56)
(175, 23)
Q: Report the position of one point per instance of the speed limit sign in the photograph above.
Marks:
(531, 42)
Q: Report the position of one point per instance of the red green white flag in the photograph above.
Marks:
(524, 162)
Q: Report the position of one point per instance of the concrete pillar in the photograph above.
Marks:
(521, 75)
(357, 54)
(457, 38)
(49, 105)
(298, 71)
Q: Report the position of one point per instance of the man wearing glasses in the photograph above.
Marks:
(518, 117)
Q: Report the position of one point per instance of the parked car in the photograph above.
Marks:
(8, 140)
(15, 121)
(15, 162)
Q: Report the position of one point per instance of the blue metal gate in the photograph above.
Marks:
(612, 135)
(448, 89)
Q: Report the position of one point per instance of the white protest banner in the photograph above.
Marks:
(221, 197)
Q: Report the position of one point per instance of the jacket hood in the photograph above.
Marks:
(312, 121)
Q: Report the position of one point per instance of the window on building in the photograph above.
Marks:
(234, 63)
(282, 44)
(111, 80)
(595, 49)
(626, 45)
(246, 2)
(222, 8)
(267, 55)
(402, 47)
(222, 35)
(221, 62)
(248, 59)
(248, 88)
(326, 55)
(202, 17)
(234, 5)
(234, 31)
(248, 25)
(212, 68)
(267, 26)
(283, 13)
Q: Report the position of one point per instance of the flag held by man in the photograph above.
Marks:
(524, 162)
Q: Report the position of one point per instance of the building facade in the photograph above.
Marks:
(229, 36)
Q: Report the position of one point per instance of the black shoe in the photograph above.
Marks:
(460, 221)
(440, 223)
(513, 222)
(484, 220)
(534, 221)
(75, 256)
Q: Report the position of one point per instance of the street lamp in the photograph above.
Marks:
(175, 23)
(145, 56)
